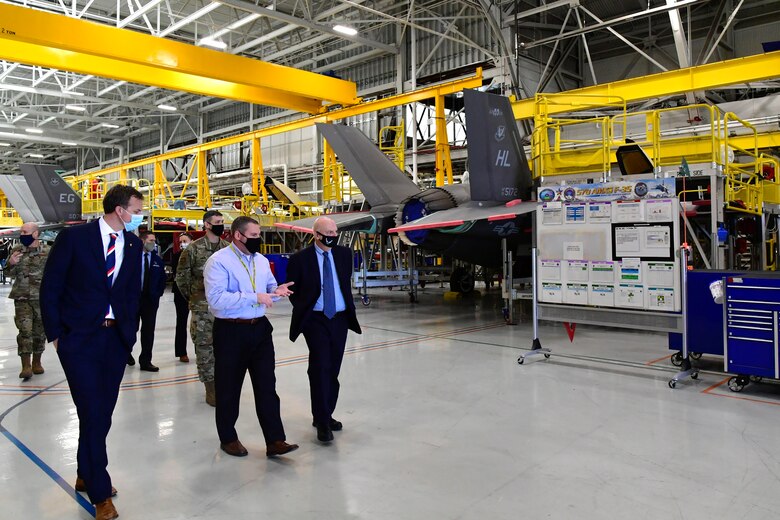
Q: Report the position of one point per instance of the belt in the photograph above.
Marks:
(108, 323)
(242, 321)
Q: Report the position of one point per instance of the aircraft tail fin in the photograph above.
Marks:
(498, 167)
(56, 200)
(378, 178)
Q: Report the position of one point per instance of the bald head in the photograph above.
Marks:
(28, 234)
(324, 227)
(28, 228)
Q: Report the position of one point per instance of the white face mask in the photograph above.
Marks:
(184, 245)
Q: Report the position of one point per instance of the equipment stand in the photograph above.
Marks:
(536, 345)
(508, 284)
(687, 370)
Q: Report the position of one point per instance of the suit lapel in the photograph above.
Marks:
(96, 241)
(128, 251)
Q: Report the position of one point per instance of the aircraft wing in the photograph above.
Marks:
(379, 179)
(351, 221)
(469, 212)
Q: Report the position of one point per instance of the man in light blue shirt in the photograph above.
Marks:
(239, 288)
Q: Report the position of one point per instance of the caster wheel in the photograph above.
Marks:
(694, 375)
(520, 360)
(422, 284)
(676, 359)
(547, 356)
(695, 355)
(672, 383)
(756, 379)
(735, 384)
(366, 301)
(412, 299)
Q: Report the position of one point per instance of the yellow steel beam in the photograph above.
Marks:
(703, 77)
(305, 122)
(56, 41)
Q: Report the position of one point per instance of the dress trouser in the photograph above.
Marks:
(182, 313)
(326, 339)
(238, 348)
(148, 317)
(94, 364)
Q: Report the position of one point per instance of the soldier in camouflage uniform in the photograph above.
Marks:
(25, 264)
(189, 279)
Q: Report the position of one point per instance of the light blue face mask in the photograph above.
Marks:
(135, 221)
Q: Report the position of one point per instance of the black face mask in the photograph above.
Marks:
(26, 240)
(253, 244)
(328, 241)
(218, 229)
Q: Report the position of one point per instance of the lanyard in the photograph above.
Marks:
(246, 268)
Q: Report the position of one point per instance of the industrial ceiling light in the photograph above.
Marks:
(189, 19)
(33, 131)
(167, 108)
(69, 143)
(72, 93)
(232, 27)
(5, 144)
(76, 108)
(36, 155)
(217, 44)
(109, 125)
(344, 29)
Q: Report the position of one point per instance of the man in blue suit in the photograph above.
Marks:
(90, 293)
(153, 281)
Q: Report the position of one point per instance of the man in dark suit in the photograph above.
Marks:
(153, 281)
(90, 294)
(323, 311)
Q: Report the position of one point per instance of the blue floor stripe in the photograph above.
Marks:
(56, 477)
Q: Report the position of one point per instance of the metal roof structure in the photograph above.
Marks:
(80, 121)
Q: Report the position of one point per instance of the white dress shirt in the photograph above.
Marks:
(228, 276)
(119, 252)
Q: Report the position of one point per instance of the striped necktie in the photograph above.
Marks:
(111, 259)
(110, 265)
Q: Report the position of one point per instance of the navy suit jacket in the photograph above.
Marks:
(304, 270)
(158, 279)
(74, 293)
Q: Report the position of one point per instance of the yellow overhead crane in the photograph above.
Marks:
(164, 194)
(52, 40)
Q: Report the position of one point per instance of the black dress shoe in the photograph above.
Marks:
(324, 434)
(234, 448)
(335, 425)
(150, 368)
(130, 360)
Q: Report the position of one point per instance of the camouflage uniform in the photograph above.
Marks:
(189, 279)
(27, 274)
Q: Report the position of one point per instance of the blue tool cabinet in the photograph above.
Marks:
(705, 317)
(750, 314)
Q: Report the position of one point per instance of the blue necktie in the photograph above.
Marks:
(328, 294)
(110, 264)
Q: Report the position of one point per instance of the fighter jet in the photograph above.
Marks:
(40, 195)
(465, 221)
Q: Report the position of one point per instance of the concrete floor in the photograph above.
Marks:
(440, 422)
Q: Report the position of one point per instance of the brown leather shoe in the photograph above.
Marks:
(279, 448)
(234, 448)
(184, 359)
(81, 487)
(105, 510)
